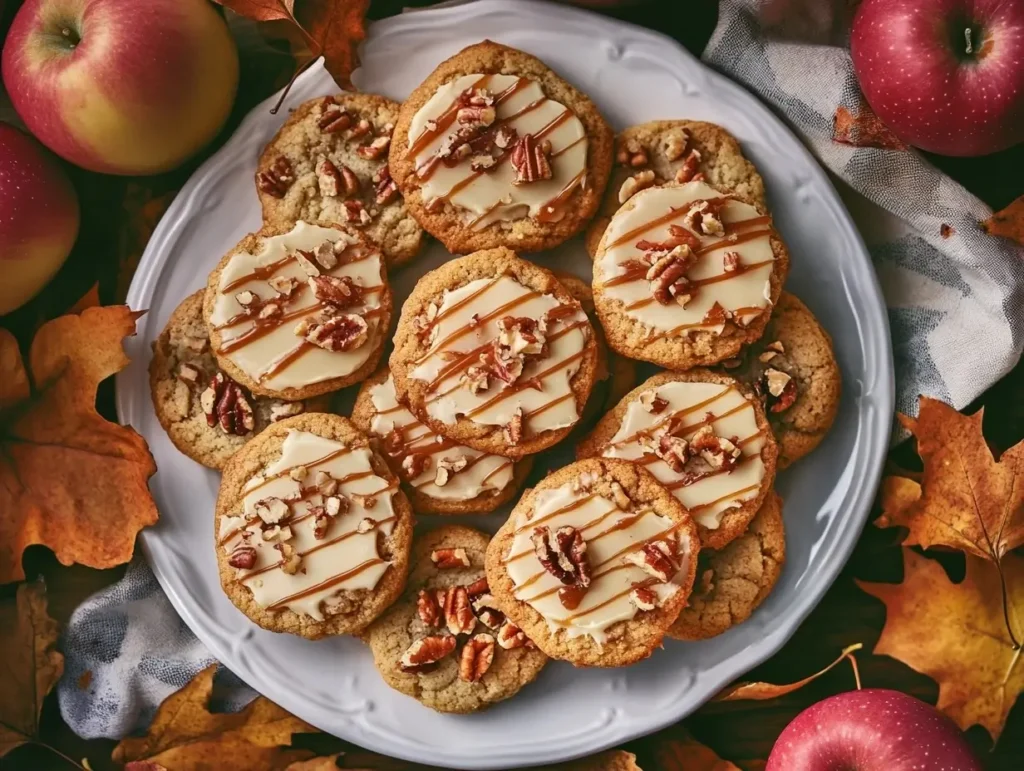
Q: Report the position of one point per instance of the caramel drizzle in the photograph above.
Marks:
(686, 482)
(498, 469)
(442, 122)
(522, 383)
(570, 507)
(626, 522)
(734, 494)
(466, 329)
(548, 406)
(552, 590)
(567, 620)
(261, 273)
(680, 211)
(241, 318)
(329, 583)
(549, 210)
(672, 416)
(309, 466)
(452, 309)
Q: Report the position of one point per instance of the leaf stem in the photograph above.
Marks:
(1006, 606)
(856, 669)
(58, 753)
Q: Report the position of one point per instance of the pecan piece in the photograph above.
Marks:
(445, 559)
(282, 410)
(781, 389)
(486, 609)
(333, 119)
(243, 557)
(511, 636)
(277, 179)
(655, 559)
(447, 467)
(531, 160)
(386, 189)
(477, 655)
(291, 560)
(427, 608)
(272, 510)
(718, 452)
(653, 403)
(339, 333)
(458, 613)
(731, 262)
(478, 587)
(705, 217)
(521, 335)
(415, 464)
(513, 430)
(643, 598)
(225, 405)
(678, 236)
(635, 184)
(674, 450)
(336, 291)
(688, 171)
(673, 144)
(563, 554)
(356, 213)
(424, 653)
(668, 276)
(375, 149)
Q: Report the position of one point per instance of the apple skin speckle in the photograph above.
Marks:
(911, 61)
(869, 730)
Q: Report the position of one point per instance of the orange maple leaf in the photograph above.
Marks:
(865, 129)
(337, 27)
(684, 753)
(957, 634)
(1008, 222)
(69, 479)
(967, 499)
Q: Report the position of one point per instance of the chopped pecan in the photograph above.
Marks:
(731, 262)
(653, 403)
(188, 374)
(511, 636)
(781, 389)
(366, 524)
(777, 346)
(336, 291)
(482, 162)
(477, 655)
(478, 587)
(243, 557)
(446, 467)
(344, 332)
(333, 119)
(513, 430)
(674, 450)
(291, 560)
(563, 554)
(356, 213)
(427, 608)
(272, 510)
(361, 129)
(635, 184)
(522, 335)
(477, 379)
(424, 653)
(632, 154)
(673, 144)
(458, 613)
(487, 610)
(718, 452)
(654, 558)
(325, 483)
(688, 171)
(678, 236)
(668, 276)
(386, 189)
(321, 522)
(328, 178)
(282, 410)
(414, 464)
(502, 362)
(375, 149)
(277, 533)
(643, 598)
(531, 160)
(448, 558)
(705, 217)
(225, 405)
(365, 501)
(276, 180)
(476, 116)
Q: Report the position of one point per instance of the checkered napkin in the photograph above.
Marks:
(951, 308)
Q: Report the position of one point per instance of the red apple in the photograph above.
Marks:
(870, 730)
(38, 217)
(945, 75)
(121, 86)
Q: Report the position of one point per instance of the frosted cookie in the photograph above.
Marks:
(685, 276)
(313, 534)
(494, 149)
(445, 643)
(732, 582)
(595, 563)
(794, 370)
(299, 312)
(328, 164)
(704, 437)
(492, 352)
(439, 475)
(205, 413)
(681, 151)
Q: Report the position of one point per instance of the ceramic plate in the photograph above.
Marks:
(634, 75)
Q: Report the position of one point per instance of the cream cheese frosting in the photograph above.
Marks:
(467, 324)
(492, 194)
(690, 406)
(345, 558)
(271, 352)
(481, 473)
(611, 533)
(741, 290)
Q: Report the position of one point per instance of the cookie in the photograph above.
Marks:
(445, 643)
(794, 369)
(492, 352)
(298, 312)
(685, 275)
(313, 533)
(595, 563)
(206, 415)
(439, 476)
(732, 582)
(328, 165)
(703, 436)
(494, 149)
(665, 151)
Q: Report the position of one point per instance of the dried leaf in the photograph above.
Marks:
(967, 500)
(29, 663)
(685, 753)
(764, 691)
(262, 10)
(864, 129)
(186, 736)
(1008, 223)
(69, 479)
(957, 634)
(327, 763)
(337, 27)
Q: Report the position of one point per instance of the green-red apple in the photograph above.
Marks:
(38, 217)
(121, 86)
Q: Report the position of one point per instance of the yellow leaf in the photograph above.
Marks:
(69, 479)
(957, 635)
(29, 663)
(764, 691)
(968, 500)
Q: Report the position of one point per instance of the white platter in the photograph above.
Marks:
(634, 75)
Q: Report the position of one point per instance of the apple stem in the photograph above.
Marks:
(856, 670)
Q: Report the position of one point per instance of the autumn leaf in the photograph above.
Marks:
(186, 736)
(865, 129)
(29, 663)
(326, 763)
(684, 753)
(763, 691)
(957, 634)
(69, 479)
(968, 499)
(1008, 223)
(337, 27)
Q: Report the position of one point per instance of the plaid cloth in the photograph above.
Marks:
(951, 308)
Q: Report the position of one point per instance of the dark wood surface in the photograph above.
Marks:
(742, 732)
